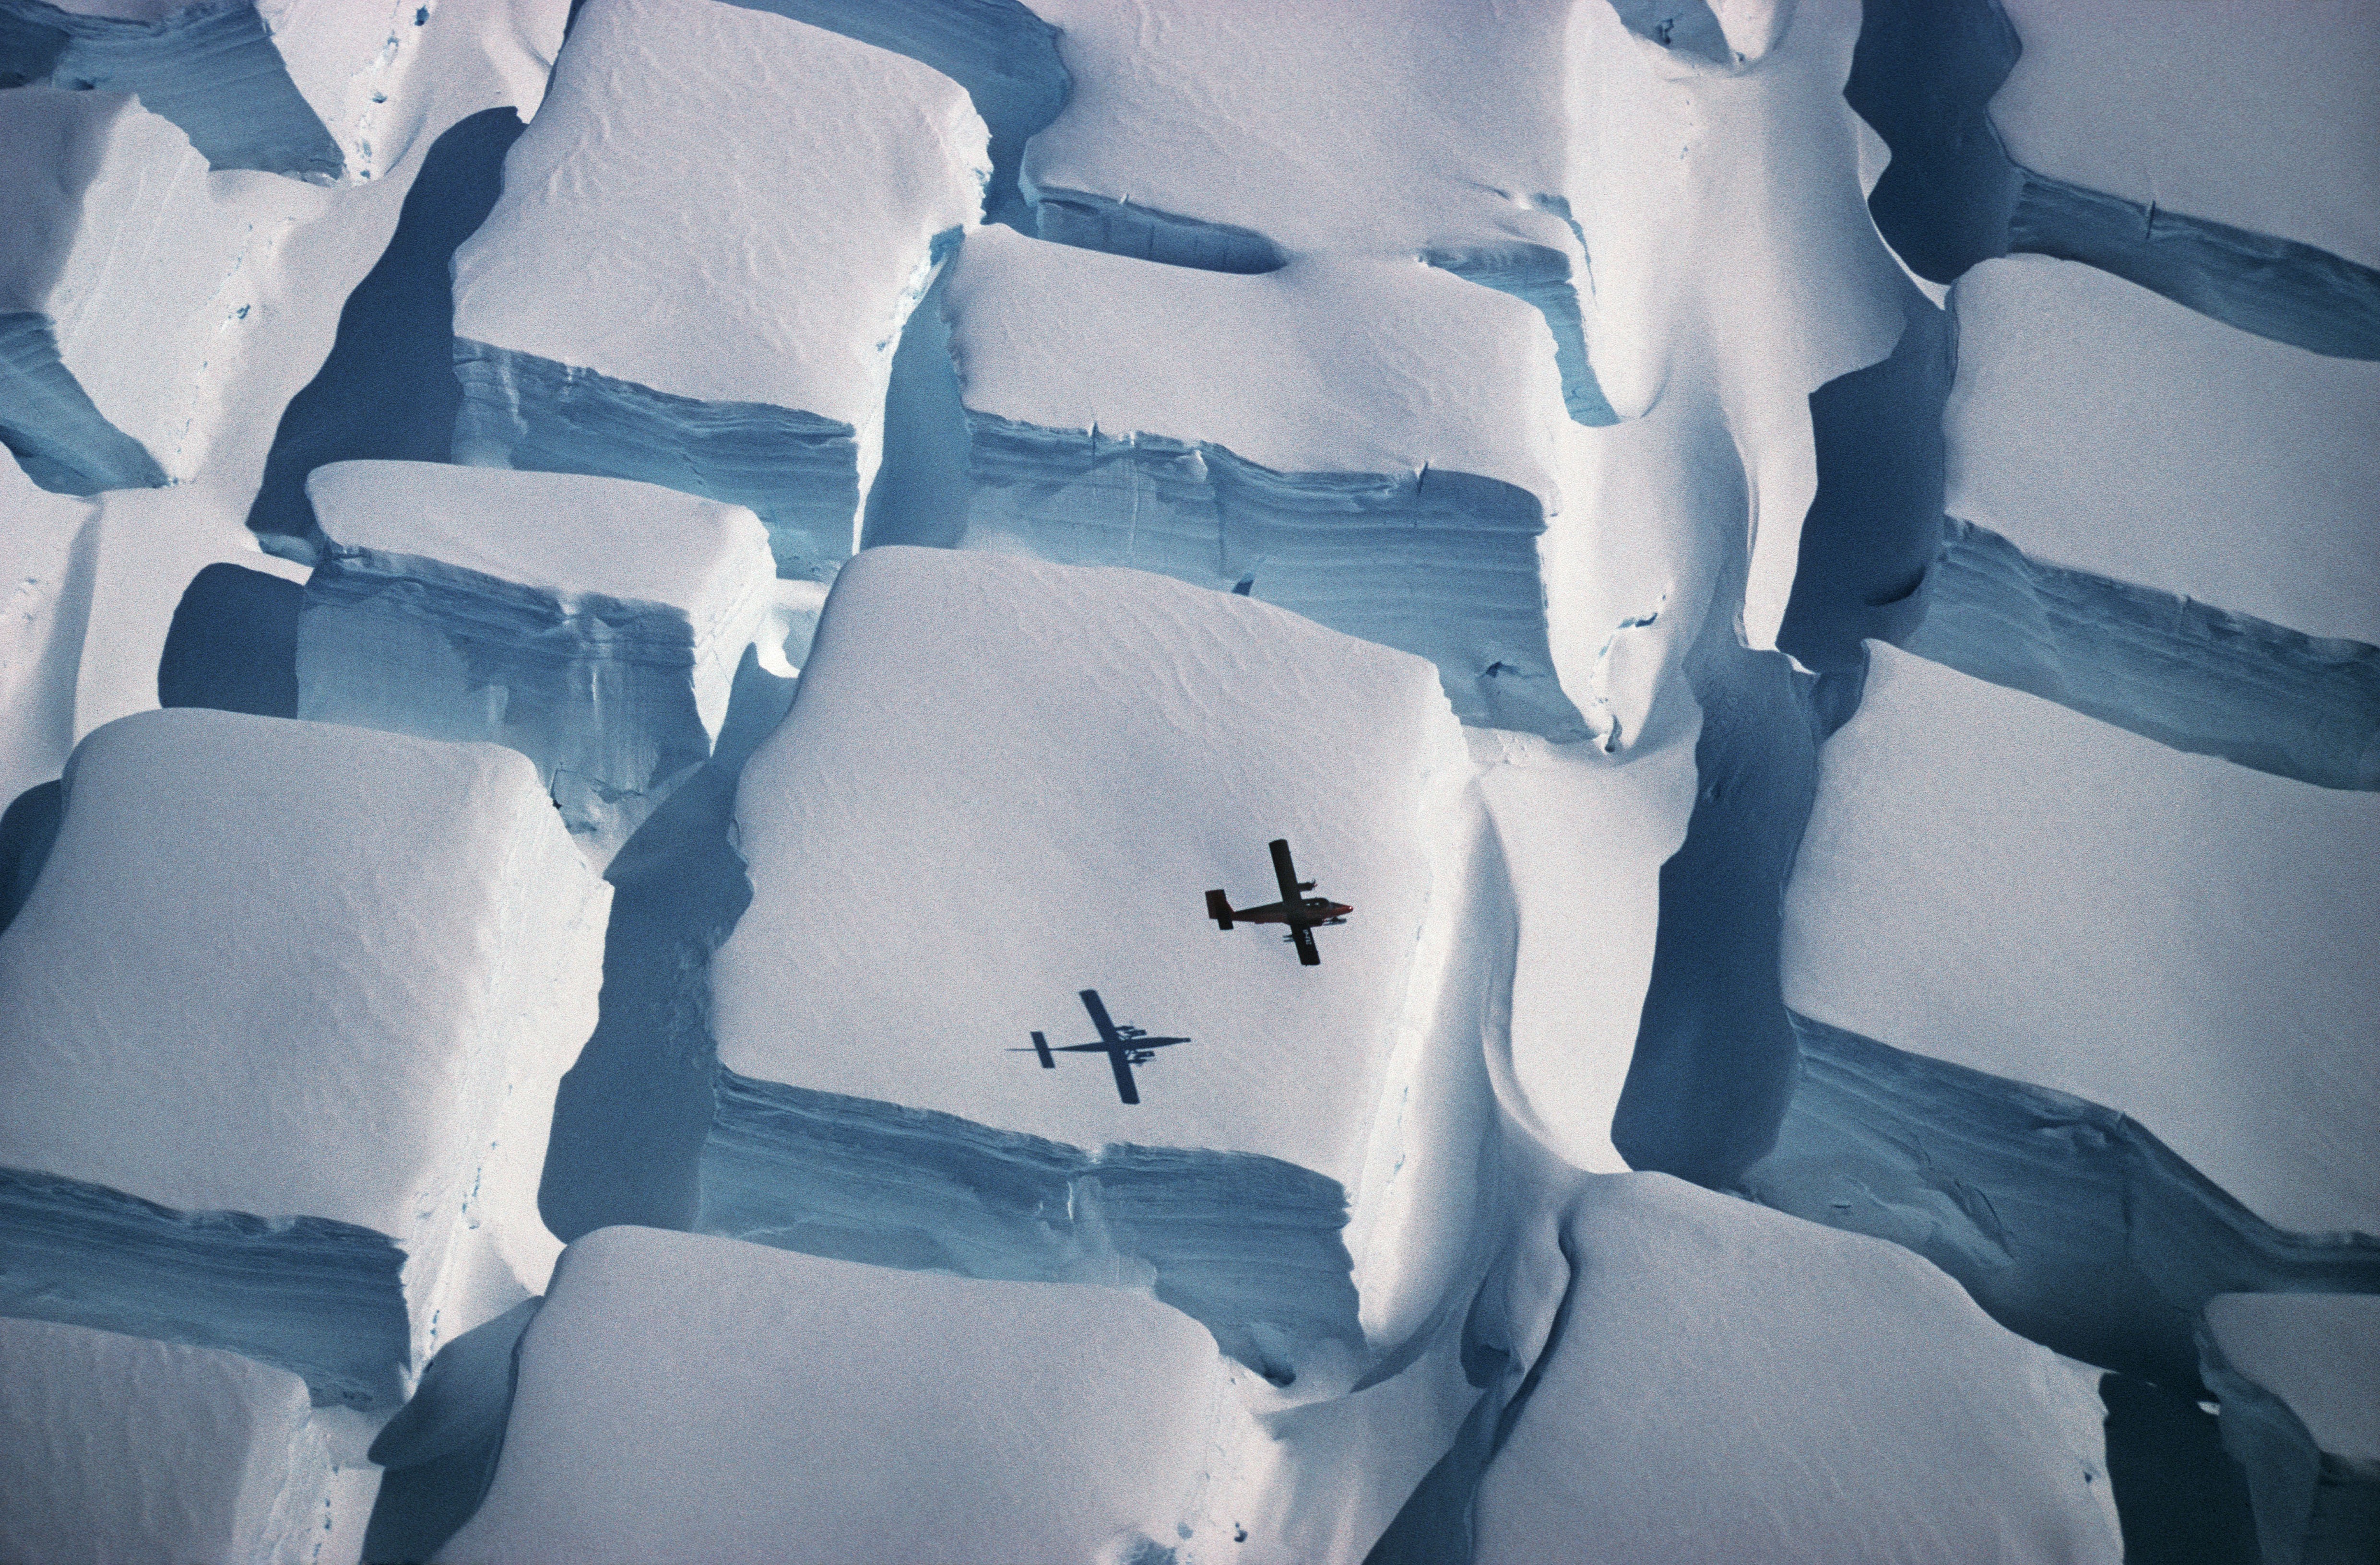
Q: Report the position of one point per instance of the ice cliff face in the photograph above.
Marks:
(447, 973)
(593, 625)
(767, 393)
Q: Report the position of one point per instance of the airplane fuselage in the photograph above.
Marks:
(1308, 911)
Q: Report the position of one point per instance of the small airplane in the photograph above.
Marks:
(1124, 1047)
(1303, 914)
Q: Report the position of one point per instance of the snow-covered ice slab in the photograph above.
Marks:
(1726, 1383)
(101, 332)
(752, 205)
(685, 1398)
(119, 1448)
(313, 89)
(284, 1019)
(1407, 129)
(1994, 880)
(1003, 782)
(594, 625)
(1368, 443)
(2188, 458)
(2299, 1378)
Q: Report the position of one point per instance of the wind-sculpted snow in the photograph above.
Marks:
(2068, 1221)
(1004, 55)
(2299, 1379)
(116, 1448)
(1702, 1346)
(898, 1004)
(299, 993)
(1248, 1246)
(319, 1298)
(210, 66)
(1953, 197)
(1291, 154)
(746, 356)
(593, 625)
(1993, 881)
(96, 351)
(2182, 672)
(1391, 477)
(388, 390)
(689, 1398)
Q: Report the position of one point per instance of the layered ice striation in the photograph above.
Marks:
(1927, 75)
(1725, 1383)
(684, 1397)
(1469, 163)
(117, 1448)
(1392, 473)
(1992, 880)
(1077, 756)
(2298, 1376)
(2067, 1221)
(98, 348)
(285, 1014)
(594, 625)
(744, 356)
(2182, 672)
(323, 92)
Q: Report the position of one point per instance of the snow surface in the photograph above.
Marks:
(2318, 1352)
(117, 1448)
(756, 204)
(1726, 1383)
(288, 968)
(592, 623)
(1003, 782)
(691, 1398)
(2096, 425)
(1997, 881)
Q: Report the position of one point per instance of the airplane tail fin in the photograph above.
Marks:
(1218, 908)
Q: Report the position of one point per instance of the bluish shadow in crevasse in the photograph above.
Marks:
(1004, 55)
(1924, 74)
(388, 388)
(439, 1453)
(2068, 1221)
(2170, 668)
(2179, 1497)
(233, 644)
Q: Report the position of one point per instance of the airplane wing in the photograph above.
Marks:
(1304, 935)
(1124, 1087)
(1099, 1019)
(1286, 872)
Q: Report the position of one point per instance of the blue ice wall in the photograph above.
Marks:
(211, 68)
(1924, 74)
(1874, 527)
(2182, 672)
(631, 1115)
(1102, 223)
(1439, 564)
(2068, 1223)
(1248, 1245)
(2312, 1507)
(319, 1298)
(439, 1453)
(1540, 277)
(388, 388)
(233, 644)
(1714, 1064)
(1004, 55)
(57, 434)
(798, 471)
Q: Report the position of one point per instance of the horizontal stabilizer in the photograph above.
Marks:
(1218, 908)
